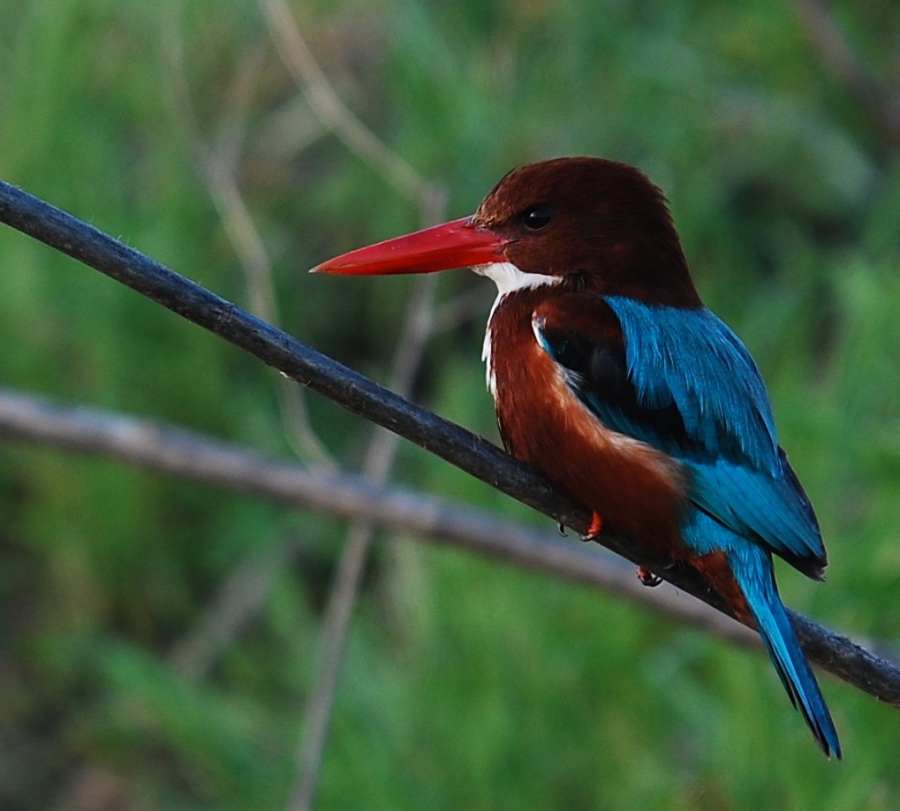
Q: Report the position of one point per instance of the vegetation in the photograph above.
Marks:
(466, 684)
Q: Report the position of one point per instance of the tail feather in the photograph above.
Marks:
(780, 638)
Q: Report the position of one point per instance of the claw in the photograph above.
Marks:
(647, 577)
(594, 529)
(562, 528)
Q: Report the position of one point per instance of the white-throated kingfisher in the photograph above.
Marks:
(611, 377)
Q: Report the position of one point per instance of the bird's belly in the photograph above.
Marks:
(636, 490)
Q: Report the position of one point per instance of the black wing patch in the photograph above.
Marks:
(598, 374)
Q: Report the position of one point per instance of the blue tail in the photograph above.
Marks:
(752, 568)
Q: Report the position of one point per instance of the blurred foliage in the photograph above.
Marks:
(466, 685)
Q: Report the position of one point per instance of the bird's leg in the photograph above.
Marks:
(647, 577)
(594, 529)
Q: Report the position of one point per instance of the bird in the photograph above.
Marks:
(611, 377)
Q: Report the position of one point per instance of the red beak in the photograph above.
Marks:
(454, 244)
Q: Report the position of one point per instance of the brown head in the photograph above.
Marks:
(601, 224)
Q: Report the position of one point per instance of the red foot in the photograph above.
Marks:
(594, 529)
(647, 577)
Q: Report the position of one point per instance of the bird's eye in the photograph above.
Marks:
(536, 217)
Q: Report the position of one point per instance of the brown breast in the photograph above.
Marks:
(636, 490)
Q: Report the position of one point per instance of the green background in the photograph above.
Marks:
(466, 684)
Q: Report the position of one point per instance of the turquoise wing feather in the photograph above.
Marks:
(690, 388)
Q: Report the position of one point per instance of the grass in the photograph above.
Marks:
(466, 685)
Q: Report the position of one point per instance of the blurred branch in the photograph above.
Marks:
(465, 306)
(327, 104)
(841, 59)
(218, 168)
(331, 111)
(361, 396)
(236, 602)
(162, 448)
(95, 788)
(379, 460)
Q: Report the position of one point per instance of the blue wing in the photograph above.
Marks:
(681, 381)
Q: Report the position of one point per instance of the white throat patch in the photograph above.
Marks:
(508, 279)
